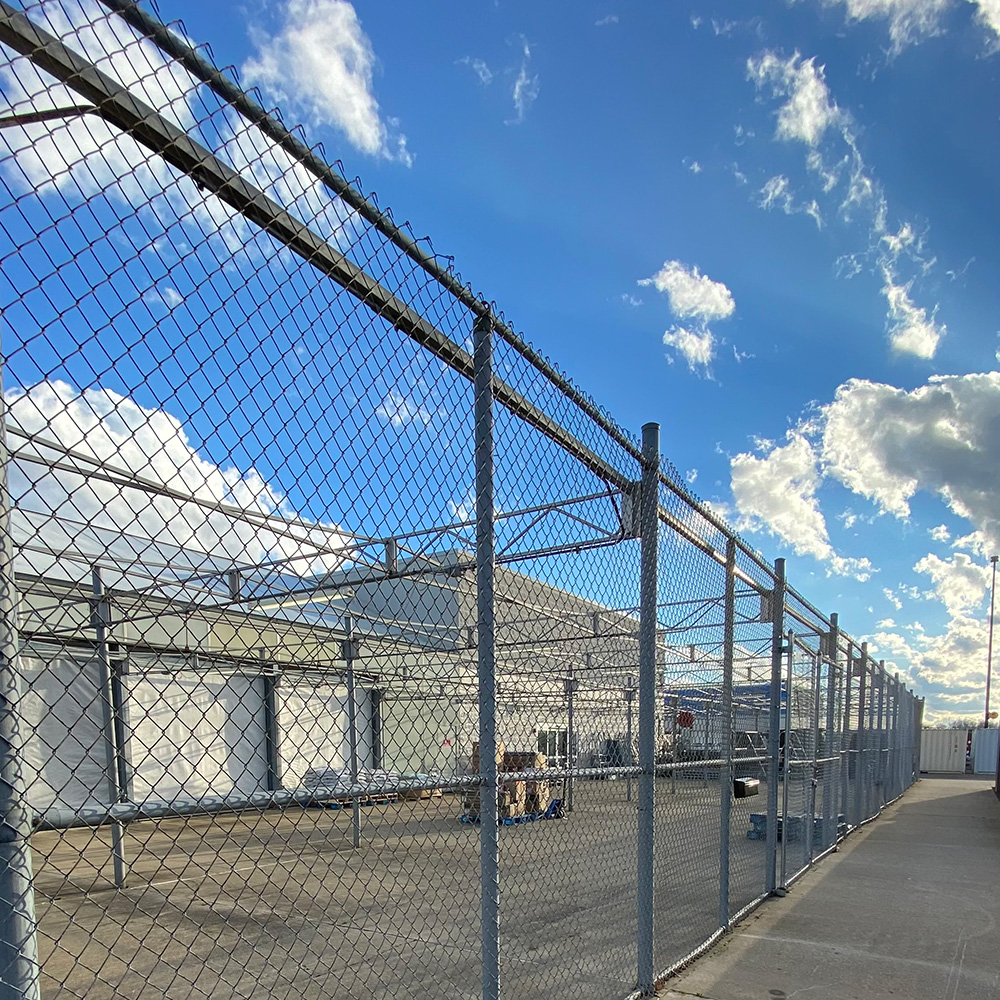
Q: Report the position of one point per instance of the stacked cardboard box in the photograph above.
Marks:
(475, 755)
(518, 761)
(513, 795)
(537, 796)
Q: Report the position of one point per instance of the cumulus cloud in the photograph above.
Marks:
(320, 64)
(988, 15)
(697, 347)
(608, 19)
(887, 444)
(911, 329)
(808, 110)
(959, 583)
(776, 492)
(691, 293)
(95, 476)
(940, 533)
(696, 297)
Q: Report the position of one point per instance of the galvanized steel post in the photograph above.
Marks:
(629, 700)
(859, 768)
(726, 731)
(100, 620)
(832, 671)
(880, 769)
(790, 653)
(817, 672)
(19, 973)
(489, 844)
(845, 740)
(774, 723)
(350, 654)
(649, 534)
(570, 733)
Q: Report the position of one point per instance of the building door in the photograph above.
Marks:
(554, 743)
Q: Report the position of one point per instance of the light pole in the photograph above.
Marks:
(989, 648)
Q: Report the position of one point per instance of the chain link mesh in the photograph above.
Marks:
(263, 731)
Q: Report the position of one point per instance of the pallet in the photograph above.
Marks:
(554, 811)
(365, 801)
(796, 827)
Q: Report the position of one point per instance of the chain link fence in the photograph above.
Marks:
(347, 649)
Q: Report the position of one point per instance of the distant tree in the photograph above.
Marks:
(956, 724)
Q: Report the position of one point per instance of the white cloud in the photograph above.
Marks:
(988, 15)
(691, 293)
(526, 87)
(959, 583)
(320, 64)
(777, 193)
(887, 444)
(631, 300)
(828, 174)
(940, 533)
(910, 21)
(399, 410)
(606, 20)
(911, 330)
(776, 492)
(695, 167)
(154, 502)
(479, 67)
(809, 109)
(891, 597)
(691, 475)
(696, 346)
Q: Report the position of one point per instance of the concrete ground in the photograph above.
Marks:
(280, 905)
(909, 909)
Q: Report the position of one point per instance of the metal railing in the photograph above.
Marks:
(347, 648)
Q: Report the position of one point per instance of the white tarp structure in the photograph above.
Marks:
(64, 752)
(314, 729)
(196, 734)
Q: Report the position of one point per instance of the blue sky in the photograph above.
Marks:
(770, 227)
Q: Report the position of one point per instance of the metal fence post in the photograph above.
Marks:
(870, 789)
(101, 621)
(880, 768)
(845, 740)
(629, 700)
(774, 724)
(790, 639)
(832, 668)
(570, 723)
(489, 844)
(352, 726)
(894, 756)
(726, 731)
(859, 768)
(649, 534)
(817, 673)
(676, 702)
(19, 973)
